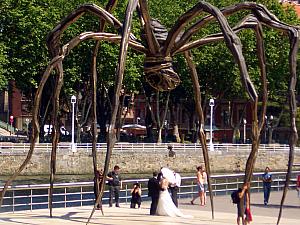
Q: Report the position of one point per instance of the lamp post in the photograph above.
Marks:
(270, 129)
(138, 120)
(73, 101)
(245, 123)
(268, 122)
(166, 130)
(211, 104)
(27, 124)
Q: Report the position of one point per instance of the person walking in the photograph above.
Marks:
(205, 184)
(153, 192)
(267, 180)
(200, 187)
(115, 184)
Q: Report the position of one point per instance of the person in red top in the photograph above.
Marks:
(244, 203)
(298, 185)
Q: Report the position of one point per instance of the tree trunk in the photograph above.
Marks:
(159, 139)
(174, 119)
(176, 133)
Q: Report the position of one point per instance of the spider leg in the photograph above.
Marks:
(268, 19)
(118, 85)
(293, 111)
(146, 22)
(197, 93)
(231, 39)
(250, 22)
(109, 7)
(35, 124)
(63, 52)
(53, 38)
(260, 11)
(55, 130)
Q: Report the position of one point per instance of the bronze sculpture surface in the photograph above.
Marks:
(159, 49)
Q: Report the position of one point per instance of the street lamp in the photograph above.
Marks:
(270, 131)
(138, 120)
(245, 122)
(166, 130)
(27, 124)
(268, 122)
(211, 104)
(73, 101)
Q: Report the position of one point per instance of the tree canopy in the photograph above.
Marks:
(24, 25)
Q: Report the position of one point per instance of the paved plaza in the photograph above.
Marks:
(225, 214)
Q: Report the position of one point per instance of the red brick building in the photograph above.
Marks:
(13, 103)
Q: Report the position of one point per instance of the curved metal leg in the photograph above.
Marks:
(53, 38)
(118, 85)
(35, 125)
(197, 93)
(256, 129)
(55, 130)
(294, 40)
(266, 18)
(109, 7)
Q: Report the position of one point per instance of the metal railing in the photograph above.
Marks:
(7, 126)
(22, 148)
(30, 197)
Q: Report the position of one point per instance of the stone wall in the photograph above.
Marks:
(131, 162)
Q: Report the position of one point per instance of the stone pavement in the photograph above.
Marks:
(225, 214)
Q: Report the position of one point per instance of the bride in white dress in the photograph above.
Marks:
(165, 206)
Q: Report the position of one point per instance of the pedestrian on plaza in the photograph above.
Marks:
(298, 185)
(136, 196)
(115, 184)
(98, 179)
(200, 187)
(243, 206)
(267, 180)
(205, 183)
(153, 192)
(174, 188)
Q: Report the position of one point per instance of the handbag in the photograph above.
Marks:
(248, 215)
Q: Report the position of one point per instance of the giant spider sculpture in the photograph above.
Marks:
(159, 50)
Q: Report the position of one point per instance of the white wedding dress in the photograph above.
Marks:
(166, 207)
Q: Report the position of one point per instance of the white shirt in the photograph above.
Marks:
(177, 179)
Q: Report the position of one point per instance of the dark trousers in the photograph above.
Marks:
(135, 202)
(174, 192)
(114, 191)
(267, 190)
(154, 203)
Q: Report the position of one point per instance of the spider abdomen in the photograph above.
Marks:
(159, 73)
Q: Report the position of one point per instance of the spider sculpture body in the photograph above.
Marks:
(159, 49)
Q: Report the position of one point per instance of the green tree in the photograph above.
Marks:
(24, 25)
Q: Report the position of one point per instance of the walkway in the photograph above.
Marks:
(225, 214)
(4, 132)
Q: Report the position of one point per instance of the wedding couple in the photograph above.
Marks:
(162, 203)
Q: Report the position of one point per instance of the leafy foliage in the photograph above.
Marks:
(24, 25)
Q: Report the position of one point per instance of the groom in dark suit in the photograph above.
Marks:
(153, 192)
